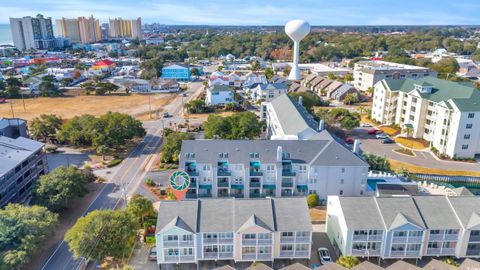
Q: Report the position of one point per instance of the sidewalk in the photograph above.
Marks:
(139, 259)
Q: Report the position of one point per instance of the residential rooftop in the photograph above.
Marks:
(15, 151)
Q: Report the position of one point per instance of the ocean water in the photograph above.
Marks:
(5, 34)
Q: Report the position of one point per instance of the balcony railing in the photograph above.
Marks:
(287, 183)
(451, 236)
(473, 252)
(474, 238)
(288, 173)
(210, 255)
(364, 252)
(173, 258)
(399, 239)
(302, 239)
(286, 253)
(398, 253)
(225, 240)
(210, 240)
(187, 258)
(186, 243)
(415, 240)
(224, 255)
(360, 237)
(249, 256)
(448, 251)
(287, 239)
(301, 253)
(375, 237)
(255, 184)
(170, 243)
(433, 251)
(249, 242)
(435, 237)
(264, 241)
(412, 253)
(264, 256)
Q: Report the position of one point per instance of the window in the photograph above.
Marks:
(342, 181)
(286, 247)
(413, 247)
(249, 236)
(343, 170)
(415, 233)
(187, 237)
(248, 250)
(264, 236)
(341, 192)
(468, 126)
(400, 234)
(287, 234)
(451, 244)
(466, 136)
(433, 244)
(172, 237)
(398, 247)
(254, 155)
(471, 115)
(435, 232)
(226, 248)
(464, 146)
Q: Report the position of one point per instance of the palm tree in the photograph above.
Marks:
(140, 207)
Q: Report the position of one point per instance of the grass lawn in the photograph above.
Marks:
(73, 104)
(412, 143)
(404, 151)
(318, 214)
(415, 169)
(364, 119)
(390, 131)
(205, 115)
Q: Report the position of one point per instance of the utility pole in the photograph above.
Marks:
(149, 106)
(23, 100)
(11, 108)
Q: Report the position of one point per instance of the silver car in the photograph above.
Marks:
(324, 256)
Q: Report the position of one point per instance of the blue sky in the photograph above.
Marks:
(256, 12)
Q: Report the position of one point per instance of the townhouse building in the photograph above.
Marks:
(445, 113)
(267, 91)
(276, 168)
(239, 230)
(367, 73)
(405, 227)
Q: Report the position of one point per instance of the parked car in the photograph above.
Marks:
(366, 125)
(349, 140)
(152, 255)
(373, 131)
(381, 136)
(324, 255)
(387, 141)
(166, 115)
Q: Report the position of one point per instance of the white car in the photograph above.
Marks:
(381, 136)
(324, 256)
(366, 125)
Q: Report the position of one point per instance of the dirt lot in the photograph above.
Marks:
(318, 214)
(72, 104)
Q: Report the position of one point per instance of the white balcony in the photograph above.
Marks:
(365, 253)
(435, 237)
(186, 243)
(397, 239)
(415, 239)
(187, 258)
(375, 237)
(249, 242)
(210, 240)
(302, 239)
(264, 241)
(301, 253)
(360, 237)
(287, 239)
(225, 255)
(173, 258)
(170, 243)
(451, 236)
(249, 256)
(225, 240)
(286, 253)
(397, 253)
(264, 256)
(210, 255)
(413, 253)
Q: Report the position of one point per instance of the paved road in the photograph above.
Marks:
(128, 177)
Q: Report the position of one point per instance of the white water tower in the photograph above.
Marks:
(296, 30)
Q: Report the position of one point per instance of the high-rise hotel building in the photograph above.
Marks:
(79, 30)
(120, 28)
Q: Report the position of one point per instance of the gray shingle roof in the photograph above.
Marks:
(366, 265)
(397, 211)
(438, 265)
(292, 116)
(434, 211)
(313, 152)
(259, 266)
(402, 265)
(469, 264)
(464, 207)
(361, 213)
(331, 266)
(231, 214)
(295, 266)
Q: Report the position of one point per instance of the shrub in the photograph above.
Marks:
(348, 261)
(149, 182)
(114, 162)
(312, 200)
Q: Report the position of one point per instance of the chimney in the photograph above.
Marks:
(279, 153)
(321, 125)
(356, 146)
(300, 100)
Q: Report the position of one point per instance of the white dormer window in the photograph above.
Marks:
(423, 88)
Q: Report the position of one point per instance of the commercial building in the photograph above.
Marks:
(130, 29)
(239, 230)
(176, 72)
(405, 227)
(445, 113)
(367, 73)
(33, 33)
(79, 30)
(279, 168)
(22, 161)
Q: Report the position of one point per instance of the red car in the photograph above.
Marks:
(373, 131)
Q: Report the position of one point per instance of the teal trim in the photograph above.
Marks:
(302, 187)
(237, 186)
(271, 186)
(205, 186)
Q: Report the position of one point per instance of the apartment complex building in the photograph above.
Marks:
(445, 113)
(238, 230)
(130, 29)
(367, 73)
(405, 227)
(79, 30)
(277, 168)
(32, 33)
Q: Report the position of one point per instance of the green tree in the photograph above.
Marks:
(78, 131)
(23, 231)
(47, 87)
(348, 261)
(44, 126)
(2, 85)
(377, 163)
(350, 122)
(348, 77)
(230, 106)
(172, 145)
(255, 65)
(195, 106)
(312, 200)
(66, 81)
(13, 87)
(56, 189)
(447, 65)
(141, 208)
(114, 129)
(242, 125)
(269, 73)
(351, 99)
(106, 87)
(101, 234)
(88, 87)
(331, 76)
